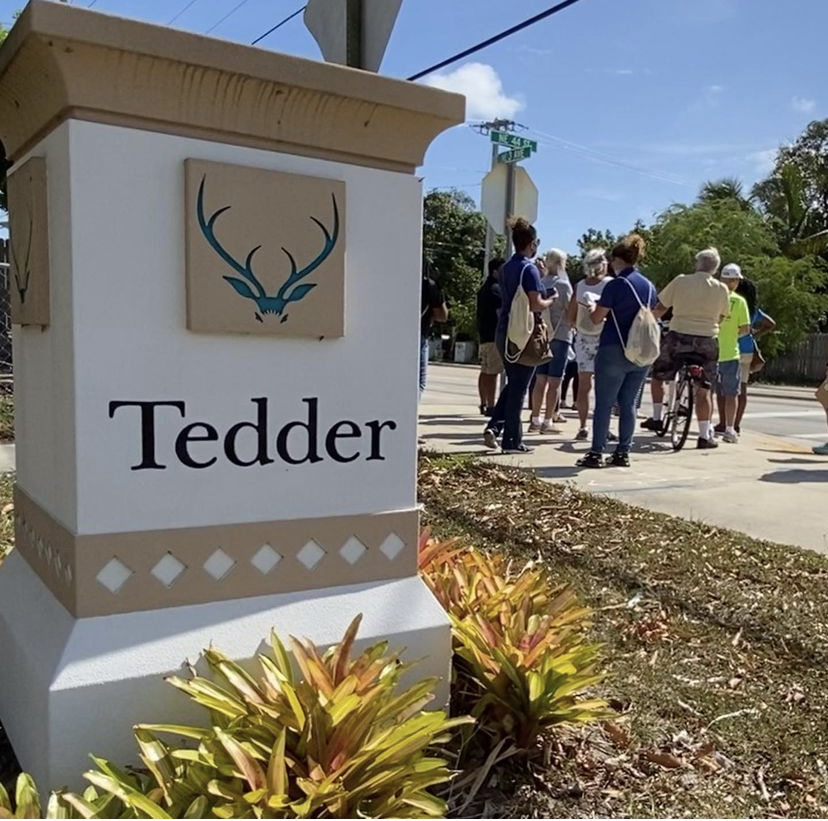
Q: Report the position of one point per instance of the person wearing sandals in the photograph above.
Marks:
(617, 380)
(588, 293)
(518, 272)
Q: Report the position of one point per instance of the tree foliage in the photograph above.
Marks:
(454, 240)
(681, 231)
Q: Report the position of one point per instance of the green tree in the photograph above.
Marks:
(787, 200)
(454, 240)
(726, 188)
(681, 231)
(789, 290)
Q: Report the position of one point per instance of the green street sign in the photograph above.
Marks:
(512, 140)
(515, 155)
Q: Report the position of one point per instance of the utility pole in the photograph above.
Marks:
(354, 33)
(485, 129)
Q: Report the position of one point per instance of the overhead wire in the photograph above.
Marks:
(226, 16)
(181, 11)
(496, 38)
(278, 25)
(598, 156)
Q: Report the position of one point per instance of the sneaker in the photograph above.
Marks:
(720, 428)
(618, 459)
(582, 435)
(730, 438)
(559, 419)
(611, 437)
(591, 460)
(533, 428)
(706, 444)
(490, 438)
(548, 427)
(521, 448)
(820, 450)
(654, 425)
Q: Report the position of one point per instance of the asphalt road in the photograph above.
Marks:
(789, 413)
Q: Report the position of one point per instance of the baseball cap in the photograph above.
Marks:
(732, 271)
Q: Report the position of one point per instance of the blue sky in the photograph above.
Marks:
(634, 102)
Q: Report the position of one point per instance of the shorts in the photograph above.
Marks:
(730, 383)
(745, 362)
(491, 362)
(677, 349)
(556, 367)
(586, 349)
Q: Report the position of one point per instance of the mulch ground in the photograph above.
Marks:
(715, 647)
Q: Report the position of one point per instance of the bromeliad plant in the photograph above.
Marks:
(522, 659)
(340, 742)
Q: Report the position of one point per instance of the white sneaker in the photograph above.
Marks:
(732, 438)
(548, 426)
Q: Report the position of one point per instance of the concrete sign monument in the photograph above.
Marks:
(214, 367)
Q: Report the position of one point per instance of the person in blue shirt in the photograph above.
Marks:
(617, 380)
(760, 324)
(518, 272)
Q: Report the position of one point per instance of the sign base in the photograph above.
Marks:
(77, 686)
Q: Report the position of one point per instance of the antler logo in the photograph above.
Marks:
(23, 273)
(292, 290)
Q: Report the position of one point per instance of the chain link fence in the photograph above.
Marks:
(6, 370)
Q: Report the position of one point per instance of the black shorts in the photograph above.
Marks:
(677, 349)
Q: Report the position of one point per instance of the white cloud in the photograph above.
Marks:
(715, 89)
(623, 72)
(480, 83)
(803, 104)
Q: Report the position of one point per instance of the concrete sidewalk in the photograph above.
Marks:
(764, 486)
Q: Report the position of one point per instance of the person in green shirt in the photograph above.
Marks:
(736, 324)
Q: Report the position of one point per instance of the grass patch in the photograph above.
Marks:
(715, 644)
(6, 418)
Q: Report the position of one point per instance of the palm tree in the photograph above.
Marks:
(794, 218)
(726, 188)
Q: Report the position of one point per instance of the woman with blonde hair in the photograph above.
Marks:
(587, 295)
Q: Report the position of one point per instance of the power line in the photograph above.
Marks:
(497, 38)
(92, 4)
(607, 159)
(226, 16)
(278, 25)
(176, 16)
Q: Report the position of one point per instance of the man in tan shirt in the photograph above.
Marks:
(699, 302)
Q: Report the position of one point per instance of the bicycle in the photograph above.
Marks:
(680, 400)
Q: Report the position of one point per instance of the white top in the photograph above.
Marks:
(587, 297)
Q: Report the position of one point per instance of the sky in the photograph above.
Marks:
(633, 103)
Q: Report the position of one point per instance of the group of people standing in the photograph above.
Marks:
(709, 321)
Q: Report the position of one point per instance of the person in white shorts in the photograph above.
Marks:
(587, 293)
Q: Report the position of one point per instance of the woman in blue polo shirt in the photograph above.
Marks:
(518, 272)
(617, 380)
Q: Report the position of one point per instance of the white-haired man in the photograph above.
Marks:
(699, 302)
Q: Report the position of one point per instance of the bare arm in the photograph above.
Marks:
(599, 314)
(572, 311)
(660, 310)
(765, 327)
(744, 330)
(537, 303)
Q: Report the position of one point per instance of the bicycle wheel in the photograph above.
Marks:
(682, 411)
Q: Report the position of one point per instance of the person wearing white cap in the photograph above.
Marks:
(734, 326)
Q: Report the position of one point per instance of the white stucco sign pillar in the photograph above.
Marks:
(216, 295)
